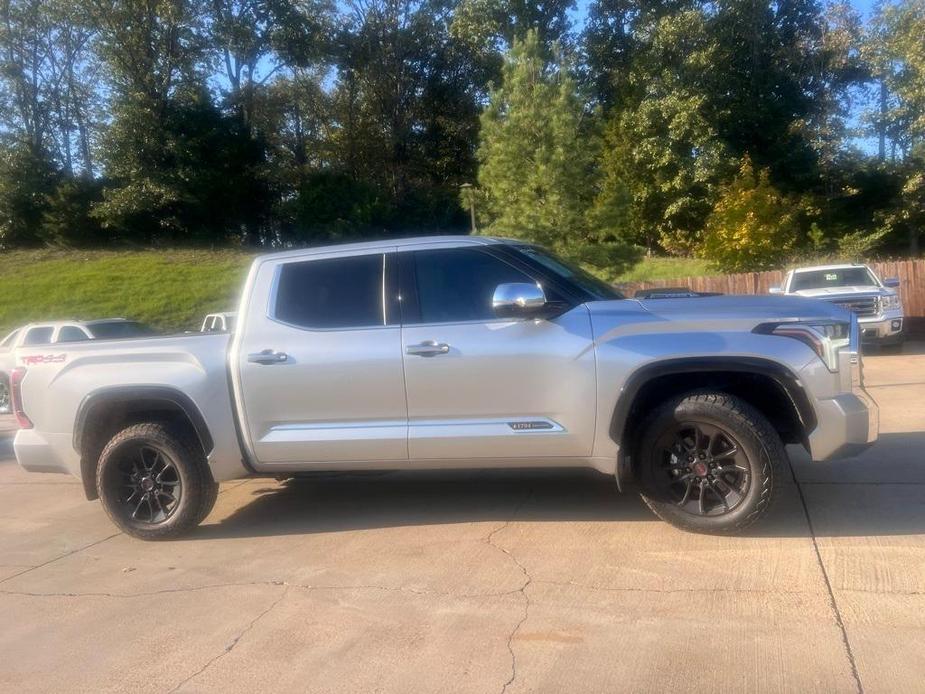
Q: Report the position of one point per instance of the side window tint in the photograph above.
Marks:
(38, 336)
(458, 284)
(71, 334)
(333, 293)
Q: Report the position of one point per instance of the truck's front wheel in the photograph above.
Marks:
(153, 483)
(708, 462)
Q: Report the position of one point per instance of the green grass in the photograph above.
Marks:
(666, 269)
(170, 290)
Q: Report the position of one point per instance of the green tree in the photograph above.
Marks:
(67, 218)
(662, 158)
(26, 179)
(536, 152)
(257, 39)
(897, 53)
(753, 226)
(48, 74)
(765, 85)
(200, 180)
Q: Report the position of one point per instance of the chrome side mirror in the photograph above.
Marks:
(518, 300)
(775, 290)
(891, 282)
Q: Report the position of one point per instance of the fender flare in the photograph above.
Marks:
(128, 394)
(786, 379)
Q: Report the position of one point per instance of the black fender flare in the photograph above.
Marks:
(127, 394)
(780, 374)
(110, 395)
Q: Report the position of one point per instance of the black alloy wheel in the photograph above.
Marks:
(150, 487)
(708, 462)
(154, 481)
(704, 469)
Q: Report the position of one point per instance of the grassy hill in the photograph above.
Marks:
(171, 290)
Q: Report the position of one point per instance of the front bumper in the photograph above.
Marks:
(848, 421)
(883, 329)
(846, 425)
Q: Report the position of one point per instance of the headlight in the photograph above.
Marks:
(888, 302)
(825, 338)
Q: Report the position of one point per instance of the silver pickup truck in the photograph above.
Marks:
(450, 352)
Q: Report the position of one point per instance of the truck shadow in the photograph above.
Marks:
(877, 493)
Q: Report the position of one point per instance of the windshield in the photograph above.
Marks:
(839, 277)
(117, 329)
(598, 289)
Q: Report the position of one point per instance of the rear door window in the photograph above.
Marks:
(331, 293)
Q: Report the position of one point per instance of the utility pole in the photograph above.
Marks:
(468, 194)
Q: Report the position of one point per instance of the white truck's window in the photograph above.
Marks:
(838, 277)
(70, 333)
(9, 339)
(335, 293)
(38, 336)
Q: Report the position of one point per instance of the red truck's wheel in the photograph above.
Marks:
(708, 462)
(154, 484)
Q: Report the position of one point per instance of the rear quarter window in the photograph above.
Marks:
(38, 336)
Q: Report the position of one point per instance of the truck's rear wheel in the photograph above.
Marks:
(153, 483)
(708, 463)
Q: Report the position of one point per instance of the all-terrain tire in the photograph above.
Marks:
(195, 490)
(763, 456)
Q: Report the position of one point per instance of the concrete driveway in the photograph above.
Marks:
(480, 582)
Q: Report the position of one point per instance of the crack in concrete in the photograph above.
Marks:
(528, 579)
(245, 584)
(59, 557)
(234, 642)
(828, 585)
(668, 591)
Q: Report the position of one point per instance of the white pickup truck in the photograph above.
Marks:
(450, 352)
(54, 332)
(855, 287)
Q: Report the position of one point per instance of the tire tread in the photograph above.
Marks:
(203, 488)
(772, 462)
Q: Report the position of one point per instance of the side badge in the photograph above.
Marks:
(529, 426)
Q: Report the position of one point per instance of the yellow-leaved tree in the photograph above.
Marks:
(753, 225)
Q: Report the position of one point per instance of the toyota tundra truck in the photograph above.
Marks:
(450, 352)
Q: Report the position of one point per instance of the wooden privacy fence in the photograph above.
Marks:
(911, 274)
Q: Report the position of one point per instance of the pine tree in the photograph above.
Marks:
(537, 155)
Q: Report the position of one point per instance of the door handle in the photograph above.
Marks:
(429, 348)
(267, 357)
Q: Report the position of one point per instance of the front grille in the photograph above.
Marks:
(862, 305)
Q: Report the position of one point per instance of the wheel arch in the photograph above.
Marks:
(104, 412)
(772, 388)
